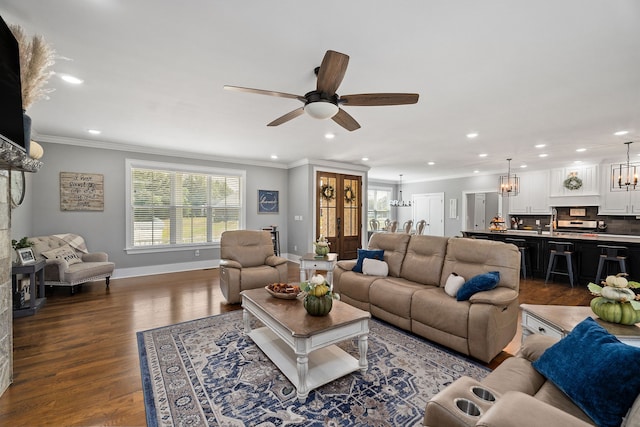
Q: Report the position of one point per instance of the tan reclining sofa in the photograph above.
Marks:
(412, 295)
(514, 394)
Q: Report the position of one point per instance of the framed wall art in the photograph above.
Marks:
(81, 191)
(268, 201)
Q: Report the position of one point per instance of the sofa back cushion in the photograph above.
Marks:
(471, 257)
(395, 248)
(47, 243)
(248, 247)
(423, 262)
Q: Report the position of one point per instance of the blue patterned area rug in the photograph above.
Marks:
(207, 373)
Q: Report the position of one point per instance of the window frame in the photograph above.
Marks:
(376, 188)
(131, 164)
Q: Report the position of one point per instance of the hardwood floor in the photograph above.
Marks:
(76, 360)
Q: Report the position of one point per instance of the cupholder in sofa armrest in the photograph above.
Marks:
(468, 407)
(483, 394)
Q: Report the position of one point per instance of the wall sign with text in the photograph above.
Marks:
(268, 201)
(81, 191)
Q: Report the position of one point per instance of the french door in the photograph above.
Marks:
(339, 212)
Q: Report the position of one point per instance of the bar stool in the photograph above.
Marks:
(561, 249)
(524, 253)
(611, 254)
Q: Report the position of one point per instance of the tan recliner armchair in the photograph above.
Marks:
(247, 261)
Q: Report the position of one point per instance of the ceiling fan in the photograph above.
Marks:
(324, 102)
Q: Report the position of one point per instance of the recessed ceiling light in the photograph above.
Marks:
(540, 145)
(94, 131)
(580, 150)
(472, 135)
(431, 163)
(71, 79)
(476, 171)
(329, 135)
(364, 159)
(577, 161)
(621, 132)
(542, 155)
(483, 155)
(523, 166)
(274, 157)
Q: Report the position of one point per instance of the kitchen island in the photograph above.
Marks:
(587, 252)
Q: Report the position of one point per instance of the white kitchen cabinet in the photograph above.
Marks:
(533, 198)
(587, 174)
(617, 202)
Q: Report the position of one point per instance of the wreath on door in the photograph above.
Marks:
(572, 182)
(349, 194)
(327, 192)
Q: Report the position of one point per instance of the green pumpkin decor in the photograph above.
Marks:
(615, 311)
(615, 301)
(318, 306)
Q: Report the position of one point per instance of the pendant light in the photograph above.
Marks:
(400, 203)
(509, 184)
(624, 177)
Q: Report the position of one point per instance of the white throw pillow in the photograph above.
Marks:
(374, 267)
(453, 284)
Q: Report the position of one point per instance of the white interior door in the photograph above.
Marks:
(429, 207)
(479, 212)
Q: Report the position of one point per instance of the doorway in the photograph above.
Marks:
(430, 207)
(339, 212)
(478, 208)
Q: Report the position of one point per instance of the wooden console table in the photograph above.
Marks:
(35, 302)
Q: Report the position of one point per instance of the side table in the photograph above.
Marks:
(312, 262)
(558, 320)
(35, 302)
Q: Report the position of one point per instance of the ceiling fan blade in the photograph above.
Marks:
(265, 92)
(289, 116)
(366, 99)
(345, 120)
(332, 70)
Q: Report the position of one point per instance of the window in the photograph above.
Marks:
(378, 204)
(172, 205)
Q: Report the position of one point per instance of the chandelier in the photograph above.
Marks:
(624, 176)
(509, 184)
(400, 203)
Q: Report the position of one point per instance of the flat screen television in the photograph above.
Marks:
(11, 114)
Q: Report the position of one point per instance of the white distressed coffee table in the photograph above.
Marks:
(303, 346)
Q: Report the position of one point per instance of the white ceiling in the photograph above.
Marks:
(519, 72)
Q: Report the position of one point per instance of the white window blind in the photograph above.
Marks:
(171, 206)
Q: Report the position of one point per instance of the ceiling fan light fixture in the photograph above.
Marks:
(321, 110)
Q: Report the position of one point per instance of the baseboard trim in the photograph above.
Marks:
(149, 270)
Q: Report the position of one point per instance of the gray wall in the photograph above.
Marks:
(105, 231)
(452, 189)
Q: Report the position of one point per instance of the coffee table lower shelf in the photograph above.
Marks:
(324, 365)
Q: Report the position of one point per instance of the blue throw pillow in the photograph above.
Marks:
(598, 372)
(371, 254)
(481, 282)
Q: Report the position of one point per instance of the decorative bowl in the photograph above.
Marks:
(284, 295)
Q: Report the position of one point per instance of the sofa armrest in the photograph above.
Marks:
(497, 296)
(346, 265)
(59, 264)
(274, 260)
(534, 345)
(228, 263)
(95, 257)
(519, 409)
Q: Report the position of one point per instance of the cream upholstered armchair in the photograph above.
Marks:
(69, 262)
(247, 261)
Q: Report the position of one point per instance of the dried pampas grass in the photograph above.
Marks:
(36, 58)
